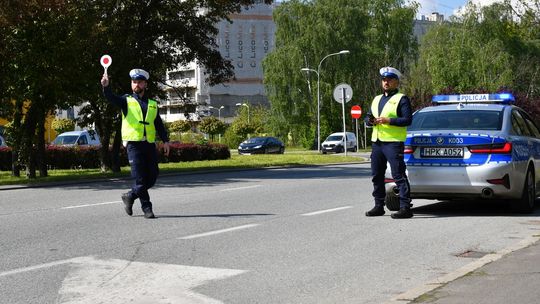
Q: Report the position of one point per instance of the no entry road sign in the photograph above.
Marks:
(356, 112)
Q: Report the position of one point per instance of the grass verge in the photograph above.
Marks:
(235, 162)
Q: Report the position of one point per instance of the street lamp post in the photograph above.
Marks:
(319, 95)
(219, 117)
(246, 105)
(219, 110)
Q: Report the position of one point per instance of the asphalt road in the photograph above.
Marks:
(292, 235)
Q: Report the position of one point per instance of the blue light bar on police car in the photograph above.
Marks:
(505, 98)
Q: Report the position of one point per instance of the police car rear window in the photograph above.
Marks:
(457, 120)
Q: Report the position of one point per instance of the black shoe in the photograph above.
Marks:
(376, 211)
(148, 213)
(403, 213)
(128, 203)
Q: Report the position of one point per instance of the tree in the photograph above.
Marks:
(61, 125)
(213, 126)
(38, 40)
(179, 126)
(487, 49)
(50, 50)
(377, 33)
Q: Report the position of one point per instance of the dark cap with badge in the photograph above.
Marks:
(390, 72)
(139, 74)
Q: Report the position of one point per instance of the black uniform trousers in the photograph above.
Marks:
(142, 157)
(392, 153)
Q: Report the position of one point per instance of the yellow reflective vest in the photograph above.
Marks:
(387, 132)
(134, 124)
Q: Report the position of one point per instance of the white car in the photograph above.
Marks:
(80, 138)
(334, 143)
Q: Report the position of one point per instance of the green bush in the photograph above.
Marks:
(59, 157)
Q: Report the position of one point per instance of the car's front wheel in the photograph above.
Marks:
(392, 202)
(526, 203)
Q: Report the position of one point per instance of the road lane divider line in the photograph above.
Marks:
(240, 188)
(90, 205)
(35, 267)
(326, 211)
(210, 233)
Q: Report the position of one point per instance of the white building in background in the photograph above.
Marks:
(245, 42)
(422, 25)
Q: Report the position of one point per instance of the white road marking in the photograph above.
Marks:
(91, 281)
(326, 211)
(35, 267)
(240, 188)
(194, 236)
(90, 205)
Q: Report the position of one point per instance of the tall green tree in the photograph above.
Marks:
(38, 48)
(485, 49)
(50, 54)
(377, 33)
(213, 126)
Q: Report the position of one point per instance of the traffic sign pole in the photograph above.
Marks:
(344, 95)
(357, 138)
(356, 113)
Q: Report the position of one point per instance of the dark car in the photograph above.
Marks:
(261, 145)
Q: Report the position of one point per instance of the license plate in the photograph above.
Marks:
(442, 152)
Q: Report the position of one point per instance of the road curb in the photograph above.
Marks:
(418, 291)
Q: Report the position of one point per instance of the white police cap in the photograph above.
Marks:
(139, 74)
(390, 72)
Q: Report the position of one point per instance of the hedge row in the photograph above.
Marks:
(59, 157)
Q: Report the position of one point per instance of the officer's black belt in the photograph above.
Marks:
(144, 122)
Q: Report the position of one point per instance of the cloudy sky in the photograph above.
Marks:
(446, 7)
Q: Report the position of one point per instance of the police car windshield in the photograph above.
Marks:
(457, 120)
(65, 140)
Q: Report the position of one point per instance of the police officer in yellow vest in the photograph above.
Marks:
(140, 123)
(390, 114)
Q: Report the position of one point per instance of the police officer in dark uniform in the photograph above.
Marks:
(390, 114)
(140, 123)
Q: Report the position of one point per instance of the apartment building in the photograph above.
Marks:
(245, 42)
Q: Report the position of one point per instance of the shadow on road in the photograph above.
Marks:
(232, 215)
(471, 208)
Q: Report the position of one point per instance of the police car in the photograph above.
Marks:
(476, 146)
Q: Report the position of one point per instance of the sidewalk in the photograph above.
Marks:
(510, 276)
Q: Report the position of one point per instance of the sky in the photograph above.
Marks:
(446, 7)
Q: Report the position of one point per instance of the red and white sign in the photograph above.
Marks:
(105, 61)
(356, 112)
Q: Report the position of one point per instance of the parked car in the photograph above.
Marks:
(334, 143)
(476, 146)
(80, 138)
(2, 142)
(261, 145)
